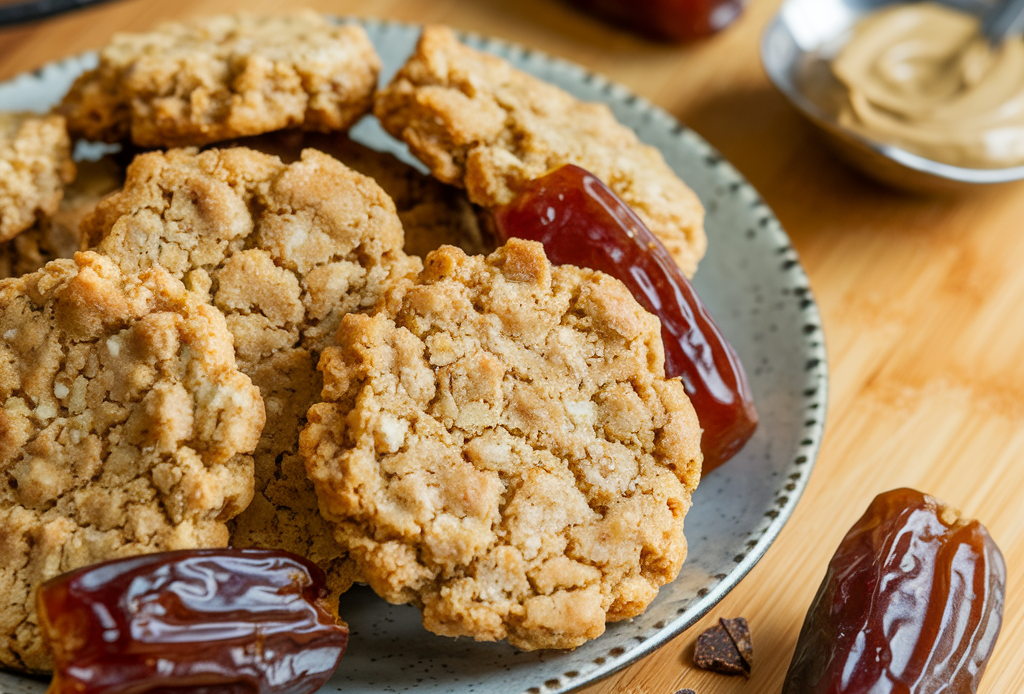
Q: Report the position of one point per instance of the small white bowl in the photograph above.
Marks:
(795, 50)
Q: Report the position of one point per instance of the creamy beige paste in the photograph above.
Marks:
(921, 76)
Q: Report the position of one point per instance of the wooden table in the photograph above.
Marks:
(922, 299)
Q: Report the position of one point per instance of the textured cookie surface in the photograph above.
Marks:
(433, 214)
(499, 446)
(59, 235)
(226, 76)
(477, 122)
(283, 250)
(125, 429)
(35, 165)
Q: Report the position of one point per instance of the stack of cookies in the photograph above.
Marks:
(264, 334)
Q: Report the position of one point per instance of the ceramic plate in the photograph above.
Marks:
(751, 280)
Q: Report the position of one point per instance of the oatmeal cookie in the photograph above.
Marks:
(477, 122)
(35, 165)
(283, 250)
(125, 429)
(433, 214)
(58, 236)
(227, 76)
(499, 446)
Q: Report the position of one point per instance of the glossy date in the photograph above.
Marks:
(670, 20)
(912, 603)
(580, 221)
(229, 621)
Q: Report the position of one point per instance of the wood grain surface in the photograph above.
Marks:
(922, 300)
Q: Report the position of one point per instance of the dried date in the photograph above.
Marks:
(230, 621)
(581, 221)
(912, 603)
(668, 20)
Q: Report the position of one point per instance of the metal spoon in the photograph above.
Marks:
(1002, 20)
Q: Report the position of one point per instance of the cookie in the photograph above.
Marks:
(58, 236)
(433, 214)
(477, 122)
(215, 78)
(499, 447)
(125, 429)
(284, 251)
(35, 165)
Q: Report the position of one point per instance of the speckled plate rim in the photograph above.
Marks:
(813, 397)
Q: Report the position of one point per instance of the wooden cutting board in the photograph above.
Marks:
(922, 300)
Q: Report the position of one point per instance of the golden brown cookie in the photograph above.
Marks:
(125, 429)
(499, 446)
(433, 214)
(215, 78)
(477, 122)
(58, 236)
(35, 165)
(284, 251)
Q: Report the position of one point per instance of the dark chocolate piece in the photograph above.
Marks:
(718, 651)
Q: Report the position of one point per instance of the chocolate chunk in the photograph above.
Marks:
(740, 635)
(716, 651)
(725, 648)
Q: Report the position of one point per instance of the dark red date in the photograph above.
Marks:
(224, 621)
(912, 603)
(669, 20)
(582, 222)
